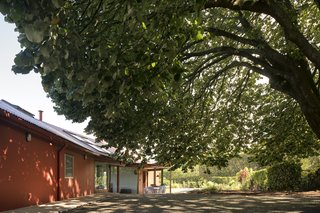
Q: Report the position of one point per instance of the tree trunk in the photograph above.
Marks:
(306, 94)
(311, 112)
(298, 83)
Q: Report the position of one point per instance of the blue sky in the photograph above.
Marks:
(25, 90)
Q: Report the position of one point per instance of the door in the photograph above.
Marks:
(101, 176)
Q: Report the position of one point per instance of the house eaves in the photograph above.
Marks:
(28, 117)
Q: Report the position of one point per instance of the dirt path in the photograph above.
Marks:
(221, 202)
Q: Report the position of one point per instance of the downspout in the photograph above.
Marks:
(58, 172)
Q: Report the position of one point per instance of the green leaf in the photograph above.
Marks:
(154, 64)
(21, 69)
(24, 58)
(122, 87)
(57, 3)
(35, 32)
(199, 36)
(126, 71)
(143, 25)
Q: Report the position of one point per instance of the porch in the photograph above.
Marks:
(127, 179)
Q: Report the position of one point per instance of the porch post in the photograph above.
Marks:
(154, 176)
(118, 179)
(147, 177)
(170, 181)
(138, 180)
(161, 176)
(109, 180)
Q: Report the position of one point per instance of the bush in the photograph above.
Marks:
(210, 184)
(222, 180)
(284, 176)
(209, 189)
(166, 181)
(259, 180)
(176, 185)
(244, 177)
(311, 181)
(192, 184)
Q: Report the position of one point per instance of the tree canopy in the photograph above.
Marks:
(179, 80)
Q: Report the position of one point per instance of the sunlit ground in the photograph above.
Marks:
(220, 202)
(203, 203)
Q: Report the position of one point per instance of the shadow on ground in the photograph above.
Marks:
(202, 203)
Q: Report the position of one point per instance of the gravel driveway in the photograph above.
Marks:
(204, 203)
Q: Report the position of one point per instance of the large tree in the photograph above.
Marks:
(175, 77)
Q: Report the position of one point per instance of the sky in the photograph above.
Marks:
(26, 90)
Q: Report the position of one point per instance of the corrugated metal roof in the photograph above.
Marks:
(74, 138)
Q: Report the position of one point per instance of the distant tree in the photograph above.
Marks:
(176, 80)
(233, 167)
(311, 164)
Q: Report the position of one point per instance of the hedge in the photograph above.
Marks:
(284, 176)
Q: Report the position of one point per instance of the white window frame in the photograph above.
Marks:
(65, 166)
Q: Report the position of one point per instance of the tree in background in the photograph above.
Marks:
(177, 81)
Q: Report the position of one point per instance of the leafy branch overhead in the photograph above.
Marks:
(179, 80)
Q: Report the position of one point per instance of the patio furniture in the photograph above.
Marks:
(155, 189)
(162, 189)
(149, 190)
(125, 191)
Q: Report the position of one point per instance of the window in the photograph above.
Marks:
(101, 176)
(68, 166)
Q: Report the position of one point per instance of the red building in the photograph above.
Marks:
(41, 163)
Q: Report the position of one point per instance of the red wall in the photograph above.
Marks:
(27, 169)
(82, 183)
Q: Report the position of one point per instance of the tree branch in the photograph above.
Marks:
(273, 62)
(276, 10)
(317, 2)
(85, 10)
(92, 18)
(218, 32)
(189, 45)
(263, 50)
(214, 78)
(242, 86)
(201, 67)
(228, 67)
(207, 52)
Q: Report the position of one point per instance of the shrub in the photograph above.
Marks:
(209, 189)
(166, 181)
(284, 176)
(259, 180)
(192, 184)
(222, 180)
(243, 177)
(311, 181)
(176, 185)
(210, 184)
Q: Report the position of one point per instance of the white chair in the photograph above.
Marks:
(162, 189)
(148, 190)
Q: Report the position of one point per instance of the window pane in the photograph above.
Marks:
(68, 165)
